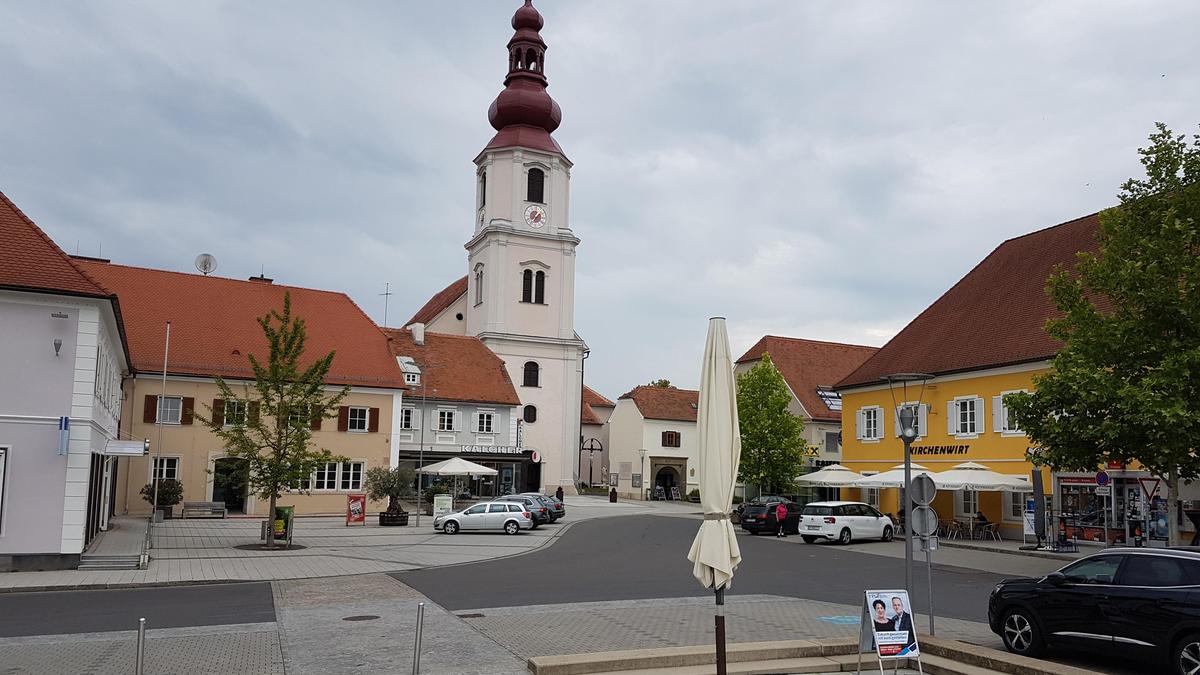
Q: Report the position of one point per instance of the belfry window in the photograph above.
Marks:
(482, 190)
(531, 374)
(479, 284)
(535, 191)
(539, 288)
(527, 286)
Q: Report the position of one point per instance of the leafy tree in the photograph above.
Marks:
(772, 441)
(275, 436)
(390, 484)
(661, 383)
(1126, 385)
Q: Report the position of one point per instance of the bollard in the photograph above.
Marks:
(140, 664)
(417, 646)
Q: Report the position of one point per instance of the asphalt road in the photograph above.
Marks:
(634, 557)
(58, 612)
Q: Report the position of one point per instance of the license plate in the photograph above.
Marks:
(751, 520)
(814, 527)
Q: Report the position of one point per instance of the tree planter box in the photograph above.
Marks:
(165, 512)
(393, 519)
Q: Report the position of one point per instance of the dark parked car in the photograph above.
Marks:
(560, 509)
(1137, 602)
(760, 517)
(542, 513)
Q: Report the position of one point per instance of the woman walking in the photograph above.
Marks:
(781, 519)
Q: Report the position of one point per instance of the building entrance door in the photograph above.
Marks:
(230, 477)
(666, 478)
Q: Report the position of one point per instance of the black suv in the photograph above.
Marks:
(1132, 601)
(759, 516)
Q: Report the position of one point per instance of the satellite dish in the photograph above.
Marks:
(206, 263)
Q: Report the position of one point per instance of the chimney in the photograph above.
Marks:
(261, 279)
(418, 333)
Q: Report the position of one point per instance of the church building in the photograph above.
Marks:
(518, 297)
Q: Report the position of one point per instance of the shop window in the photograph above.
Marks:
(670, 439)
(530, 414)
(166, 467)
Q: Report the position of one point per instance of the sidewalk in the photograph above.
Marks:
(202, 550)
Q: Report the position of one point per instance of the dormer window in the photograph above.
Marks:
(412, 378)
(535, 191)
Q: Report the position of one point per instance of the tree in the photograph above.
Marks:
(772, 441)
(1125, 387)
(661, 383)
(390, 484)
(273, 428)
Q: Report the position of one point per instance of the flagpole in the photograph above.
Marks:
(157, 462)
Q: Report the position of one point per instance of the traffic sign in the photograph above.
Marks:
(924, 521)
(1101, 478)
(1103, 490)
(1150, 486)
(923, 489)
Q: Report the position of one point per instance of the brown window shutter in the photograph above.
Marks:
(314, 422)
(150, 411)
(373, 420)
(218, 416)
(344, 418)
(252, 413)
(189, 409)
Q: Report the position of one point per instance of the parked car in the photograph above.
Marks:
(540, 511)
(1138, 602)
(560, 509)
(509, 517)
(844, 522)
(760, 517)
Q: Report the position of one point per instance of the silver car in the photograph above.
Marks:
(509, 517)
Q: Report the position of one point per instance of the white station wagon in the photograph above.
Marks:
(509, 517)
(844, 522)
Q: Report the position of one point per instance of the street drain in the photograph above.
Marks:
(469, 616)
(361, 617)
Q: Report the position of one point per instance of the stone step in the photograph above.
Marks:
(109, 562)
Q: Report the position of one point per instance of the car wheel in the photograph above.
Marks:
(809, 540)
(1186, 655)
(887, 533)
(450, 527)
(1020, 633)
(844, 537)
(511, 527)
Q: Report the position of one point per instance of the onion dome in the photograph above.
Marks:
(524, 113)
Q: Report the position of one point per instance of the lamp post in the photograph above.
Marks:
(642, 469)
(908, 416)
(421, 447)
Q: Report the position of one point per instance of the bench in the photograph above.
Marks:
(204, 509)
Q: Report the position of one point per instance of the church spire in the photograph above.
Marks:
(524, 114)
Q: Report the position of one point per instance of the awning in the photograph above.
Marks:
(977, 477)
(834, 475)
(892, 478)
(127, 448)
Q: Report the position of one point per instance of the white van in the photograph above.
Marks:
(844, 522)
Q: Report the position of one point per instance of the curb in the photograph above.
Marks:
(1024, 554)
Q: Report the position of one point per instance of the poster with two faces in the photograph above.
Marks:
(888, 615)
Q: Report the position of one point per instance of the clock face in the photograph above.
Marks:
(535, 216)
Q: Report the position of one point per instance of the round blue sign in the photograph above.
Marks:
(1101, 478)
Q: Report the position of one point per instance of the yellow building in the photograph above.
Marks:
(982, 339)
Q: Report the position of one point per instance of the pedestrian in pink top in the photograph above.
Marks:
(780, 519)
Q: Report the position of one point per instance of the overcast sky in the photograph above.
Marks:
(820, 170)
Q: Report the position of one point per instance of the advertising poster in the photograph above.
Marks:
(892, 628)
(356, 509)
(441, 505)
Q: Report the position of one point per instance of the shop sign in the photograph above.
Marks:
(493, 449)
(442, 504)
(1103, 490)
(356, 509)
(1076, 480)
(535, 457)
(1118, 466)
(940, 449)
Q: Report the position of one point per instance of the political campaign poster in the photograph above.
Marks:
(356, 509)
(442, 504)
(888, 615)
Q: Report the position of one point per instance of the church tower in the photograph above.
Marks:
(521, 258)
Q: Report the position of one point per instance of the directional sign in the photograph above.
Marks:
(1150, 486)
(1102, 478)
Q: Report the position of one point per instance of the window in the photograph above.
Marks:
(358, 418)
(869, 424)
(351, 477)
(920, 422)
(670, 439)
(478, 285)
(831, 398)
(530, 414)
(833, 441)
(527, 286)
(962, 416)
(407, 417)
(536, 185)
(1099, 570)
(325, 477)
(1014, 506)
(497, 508)
(873, 497)
(539, 288)
(235, 413)
(166, 467)
(302, 416)
(530, 378)
(1003, 419)
(515, 508)
(477, 509)
(967, 502)
(446, 420)
(484, 423)
(1159, 571)
(412, 378)
(170, 409)
(482, 190)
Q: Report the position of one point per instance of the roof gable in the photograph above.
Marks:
(807, 365)
(439, 302)
(30, 260)
(458, 367)
(591, 398)
(994, 316)
(665, 403)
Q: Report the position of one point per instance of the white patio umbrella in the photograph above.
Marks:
(834, 475)
(977, 477)
(892, 478)
(456, 466)
(715, 550)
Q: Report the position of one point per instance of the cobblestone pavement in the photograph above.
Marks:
(542, 630)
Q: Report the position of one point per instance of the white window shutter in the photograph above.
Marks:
(952, 418)
(417, 414)
(997, 414)
(474, 421)
(858, 423)
(895, 420)
(923, 420)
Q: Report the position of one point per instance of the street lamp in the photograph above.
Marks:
(908, 416)
(642, 468)
(421, 447)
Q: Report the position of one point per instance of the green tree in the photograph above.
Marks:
(772, 437)
(661, 383)
(272, 431)
(1125, 386)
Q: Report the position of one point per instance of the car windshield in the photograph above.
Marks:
(818, 511)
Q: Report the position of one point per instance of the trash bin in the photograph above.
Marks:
(612, 495)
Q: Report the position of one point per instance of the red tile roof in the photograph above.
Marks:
(592, 398)
(663, 403)
(809, 364)
(214, 327)
(994, 316)
(31, 261)
(459, 367)
(439, 302)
